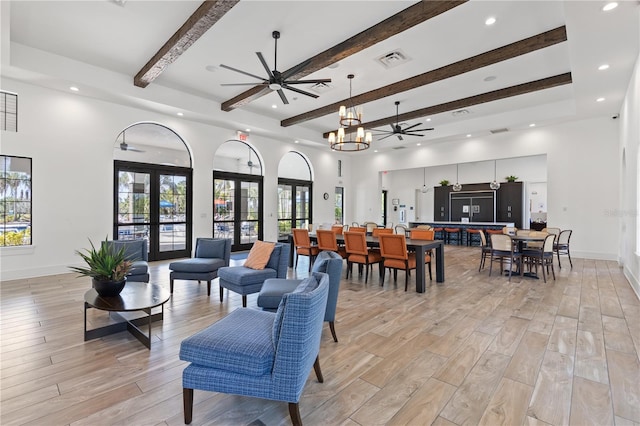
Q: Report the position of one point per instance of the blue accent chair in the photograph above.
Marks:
(209, 256)
(328, 262)
(243, 280)
(136, 251)
(259, 353)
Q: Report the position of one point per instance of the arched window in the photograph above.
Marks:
(295, 185)
(152, 190)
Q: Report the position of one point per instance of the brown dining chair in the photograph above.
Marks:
(337, 229)
(358, 252)
(358, 229)
(502, 248)
(424, 234)
(327, 242)
(303, 246)
(393, 249)
(378, 231)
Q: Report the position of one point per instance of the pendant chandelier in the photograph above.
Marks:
(350, 116)
(457, 186)
(424, 181)
(495, 184)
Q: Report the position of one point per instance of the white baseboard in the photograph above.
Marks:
(34, 272)
(592, 255)
(633, 280)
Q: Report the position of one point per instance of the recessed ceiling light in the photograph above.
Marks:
(180, 114)
(490, 21)
(211, 68)
(274, 106)
(610, 6)
(418, 144)
(375, 150)
(532, 125)
(603, 67)
(600, 100)
(247, 130)
(468, 135)
(296, 141)
(334, 65)
(74, 89)
(428, 119)
(490, 78)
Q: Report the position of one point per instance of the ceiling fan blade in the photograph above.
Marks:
(411, 127)
(241, 72)
(243, 84)
(393, 128)
(412, 134)
(320, 80)
(295, 70)
(419, 130)
(302, 92)
(389, 135)
(283, 97)
(264, 64)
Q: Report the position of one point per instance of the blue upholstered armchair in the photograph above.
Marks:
(259, 353)
(210, 255)
(243, 280)
(136, 251)
(328, 262)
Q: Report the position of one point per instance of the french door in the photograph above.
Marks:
(294, 206)
(153, 202)
(237, 208)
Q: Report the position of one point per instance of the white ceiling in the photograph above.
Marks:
(99, 46)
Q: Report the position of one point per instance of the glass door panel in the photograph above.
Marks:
(172, 205)
(293, 211)
(285, 211)
(249, 212)
(134, 194)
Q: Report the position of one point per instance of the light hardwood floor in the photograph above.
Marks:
(473, 350)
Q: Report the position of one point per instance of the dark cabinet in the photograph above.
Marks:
(441, 203)
(509, 203)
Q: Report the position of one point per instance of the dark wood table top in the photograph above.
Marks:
(135, 296)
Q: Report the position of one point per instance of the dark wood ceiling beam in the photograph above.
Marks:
(507, 92)
(401, 21)
(209, 12)
(491, 57)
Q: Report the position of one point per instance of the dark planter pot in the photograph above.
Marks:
(108, 288)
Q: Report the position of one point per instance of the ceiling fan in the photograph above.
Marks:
(396, 129)
(276, 80)
(126, 147)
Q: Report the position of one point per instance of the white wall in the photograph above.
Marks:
(582, 175)
(70, 139)
(628, 158)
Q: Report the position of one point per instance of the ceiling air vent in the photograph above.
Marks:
(503, 130)
(399, 147)
(321, 87)
(393, 59)
(460, 112)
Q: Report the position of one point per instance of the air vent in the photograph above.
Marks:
(321, 87)
(399, 147)
(393, 59)
(503, 130)
(460, 112)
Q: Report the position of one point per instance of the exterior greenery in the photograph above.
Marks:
(104, 264)
(15, 201)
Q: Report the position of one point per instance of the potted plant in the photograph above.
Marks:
(107, 266)
(444, 182)
(511, 178)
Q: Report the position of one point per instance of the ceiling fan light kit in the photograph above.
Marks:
(350, 116)
(276, 80)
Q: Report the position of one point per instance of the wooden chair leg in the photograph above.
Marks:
(430, 274)
(294, 412)
(316, 368)
(333, 331)
(187, 402)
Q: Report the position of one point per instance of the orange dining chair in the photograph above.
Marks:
(378, 231)
(327, 242)
(337, 229)
(358, 252)
(357, 229)
(303, 245)
(393, 248)
(424, 234)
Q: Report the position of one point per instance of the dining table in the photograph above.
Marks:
(520, 241)
(421, 247)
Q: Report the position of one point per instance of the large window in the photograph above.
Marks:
(295, 184)
(15, 204)
(339, 209)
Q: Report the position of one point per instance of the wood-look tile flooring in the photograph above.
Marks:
(474, 350)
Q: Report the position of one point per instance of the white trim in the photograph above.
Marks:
(633, 281)
(17, 250)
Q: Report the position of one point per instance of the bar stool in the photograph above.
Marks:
(438, 233)
(455, 232)
(470, 236)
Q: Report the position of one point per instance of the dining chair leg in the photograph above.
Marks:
(430, 275)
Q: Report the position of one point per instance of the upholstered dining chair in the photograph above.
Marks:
(258, 353)
(303, 246)
(542, 256)
(378, 231)
(370, 226)
(358, 252)
(427, 227)
(393, 248)
(327, 242)
(424, 234)
(401, 229)
(502, 248)
(562, 245)
(358, 229)
(337, 229)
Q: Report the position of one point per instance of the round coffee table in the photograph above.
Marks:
(136, 296)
